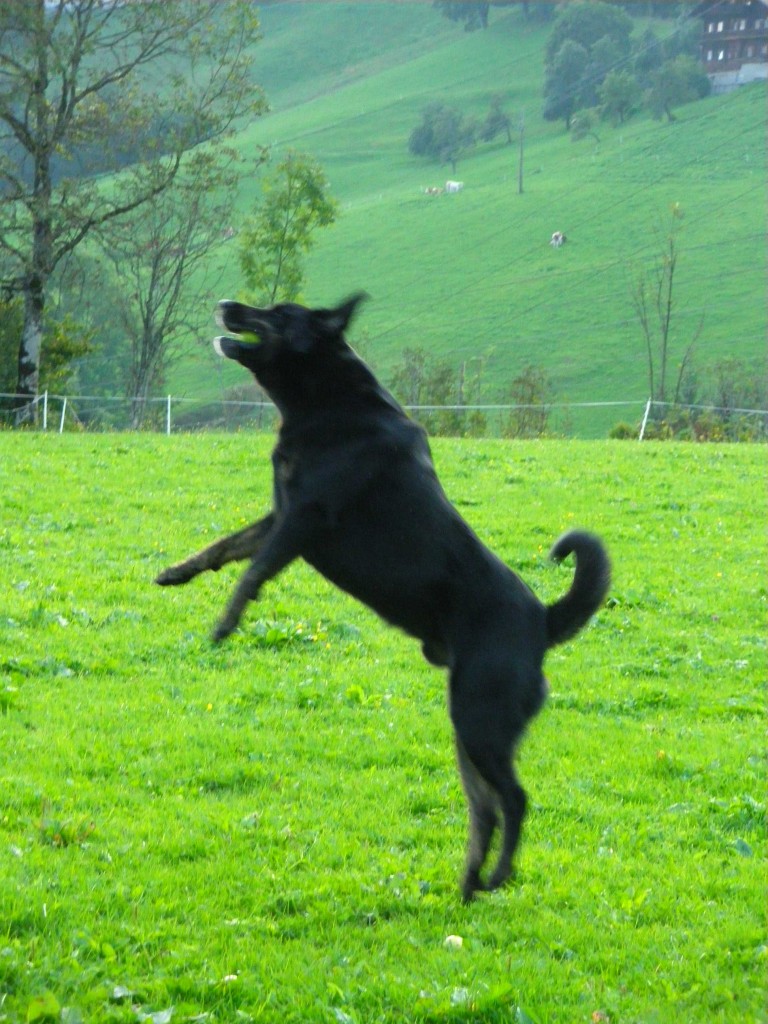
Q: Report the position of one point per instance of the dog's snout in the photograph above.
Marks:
(222, 309)
(237, 317)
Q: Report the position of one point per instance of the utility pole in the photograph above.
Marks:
(521, 129)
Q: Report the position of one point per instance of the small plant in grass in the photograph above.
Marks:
(277, 632)
(63, 832)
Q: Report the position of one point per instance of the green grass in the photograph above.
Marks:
(273, 829)
(473, 275)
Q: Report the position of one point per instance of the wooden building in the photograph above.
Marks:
(734, 41)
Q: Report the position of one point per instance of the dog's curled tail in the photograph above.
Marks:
(590, 585)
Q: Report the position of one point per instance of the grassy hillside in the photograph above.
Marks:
(473, 275)
(273, 829)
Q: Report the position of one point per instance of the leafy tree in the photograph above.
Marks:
(79, 74)
(619, 96)
(562, 87)
(421, 380)
(648, 57)
(656, 8)
(85, 291)
(530, 392)
(295, 202)
(155, 260)
(11, 319)
(738, 385)
(497, 122)
(408, 380)
(605, 55)
(68, 340)
(585, 23)
(588, 39)
(474, 13)
(583, 124)
(539, 12)
(684, 42)
(650, 52)
(676, 82)
(443, 135)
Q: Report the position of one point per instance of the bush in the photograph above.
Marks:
(690, 424)
(623, 432)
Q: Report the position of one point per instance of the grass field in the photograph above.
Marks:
(273, 830)
(473, 276)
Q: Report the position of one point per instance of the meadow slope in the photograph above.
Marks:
(471, 278)
(273, 829)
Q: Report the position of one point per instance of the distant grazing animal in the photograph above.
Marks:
(454, 186)
(558, 239)
(356, 495)
(434, 190)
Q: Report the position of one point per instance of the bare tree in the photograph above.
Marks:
(87, 87)
(653, 298)
(155, 258)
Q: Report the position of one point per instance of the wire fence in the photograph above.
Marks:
(642, 419)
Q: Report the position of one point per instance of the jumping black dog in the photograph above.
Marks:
(356, 495)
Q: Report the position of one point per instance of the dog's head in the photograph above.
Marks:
(292, 344)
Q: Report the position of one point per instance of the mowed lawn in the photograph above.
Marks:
(273, 829)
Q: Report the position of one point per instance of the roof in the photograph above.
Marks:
(735, 8)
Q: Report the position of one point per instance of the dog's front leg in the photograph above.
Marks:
(280, 549)
(234, 548)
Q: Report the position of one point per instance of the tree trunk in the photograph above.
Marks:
(520, 160)
(147, 351)
(38, 272)
(29, 351)
(138, 411)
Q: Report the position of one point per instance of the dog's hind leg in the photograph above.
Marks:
(494, 785)
(486, 731)
(482, 803)
(513, 803)
(234, 548)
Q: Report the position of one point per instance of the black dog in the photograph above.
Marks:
(356, 496)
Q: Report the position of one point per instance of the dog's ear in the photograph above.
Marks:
(336, 321)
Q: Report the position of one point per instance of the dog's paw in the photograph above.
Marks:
(503, 874)
(174, 575)
(470, 885)
(222, 630)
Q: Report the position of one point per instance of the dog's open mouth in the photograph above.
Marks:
(227, 344)
(231, 345)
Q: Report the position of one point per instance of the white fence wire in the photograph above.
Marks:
(172, 414)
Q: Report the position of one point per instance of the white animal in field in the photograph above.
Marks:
(557, 239)
(454, 186)
(433, 190)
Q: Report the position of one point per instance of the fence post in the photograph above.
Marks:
(168, 417)
(648, 405)
(63, 414)
(45, 410)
